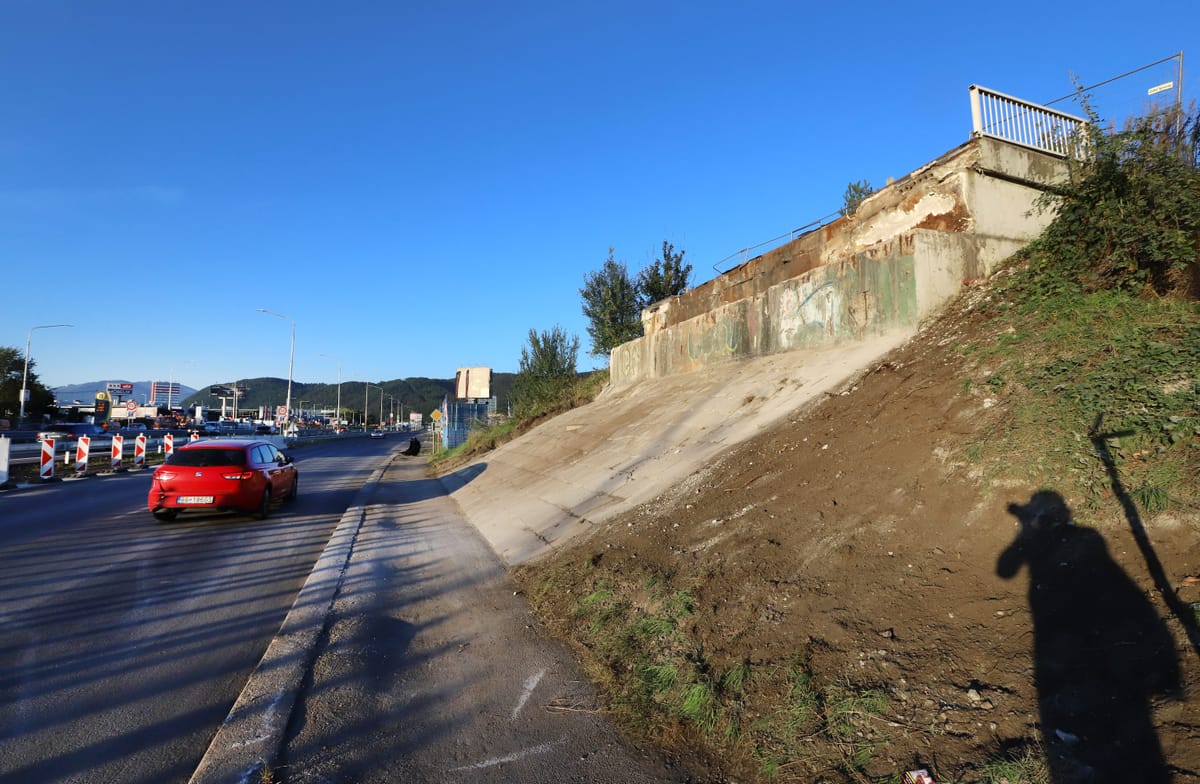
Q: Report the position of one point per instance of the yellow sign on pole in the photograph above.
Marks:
(1161, 88)
(436, 415)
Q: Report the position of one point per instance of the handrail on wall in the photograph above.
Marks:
(1027, 124)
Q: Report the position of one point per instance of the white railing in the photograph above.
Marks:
(1028, 124)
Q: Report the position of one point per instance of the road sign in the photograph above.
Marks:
(82, 448)
(281, 411)
(47, 468)
(131, 406)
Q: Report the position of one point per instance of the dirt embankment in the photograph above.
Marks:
(857, 550)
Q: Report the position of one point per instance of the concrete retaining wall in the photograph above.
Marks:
(903, 254)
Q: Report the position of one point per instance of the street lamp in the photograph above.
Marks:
(25, 374)
(338, 415)
(366, 397)
(291, 357)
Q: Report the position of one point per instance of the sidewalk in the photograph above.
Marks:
(409, 656)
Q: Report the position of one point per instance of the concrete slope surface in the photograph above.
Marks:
(634, 442)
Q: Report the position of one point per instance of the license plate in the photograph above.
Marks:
(194, 499)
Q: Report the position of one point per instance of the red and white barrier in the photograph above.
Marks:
(139, 450)
(82, 447)
(118, 451)
(195, 436)
(169, 444)
(47, 469)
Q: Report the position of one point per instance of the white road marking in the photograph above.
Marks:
(530, 684)
(516, 755)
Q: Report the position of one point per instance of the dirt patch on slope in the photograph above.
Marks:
(860, 543)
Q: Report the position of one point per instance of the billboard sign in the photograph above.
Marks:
(120, 388)
(161, 391)
(473, 383)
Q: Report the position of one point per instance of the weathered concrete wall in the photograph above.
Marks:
(897, 260)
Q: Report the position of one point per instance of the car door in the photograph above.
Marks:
(274, 469)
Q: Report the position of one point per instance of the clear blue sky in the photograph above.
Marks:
(418, 185)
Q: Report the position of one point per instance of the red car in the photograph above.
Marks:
(228, 474)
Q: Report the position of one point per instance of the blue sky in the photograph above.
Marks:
(419, 185)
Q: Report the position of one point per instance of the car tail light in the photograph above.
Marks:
(163, 476)
(239, 475)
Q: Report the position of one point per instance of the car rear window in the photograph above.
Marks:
(199, 458)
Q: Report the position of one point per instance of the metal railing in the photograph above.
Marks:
(743, 255)
(1028, 124)
(992, 114)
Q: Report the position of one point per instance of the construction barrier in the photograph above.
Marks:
(139, 451)
(82, 447)
(118, 451)
(5, 452)
(47, 469)
(195, 436)
(169, 444)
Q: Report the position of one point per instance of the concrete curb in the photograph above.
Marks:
(249, 741)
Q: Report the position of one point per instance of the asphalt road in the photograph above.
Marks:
(432, 668)
(124, 642)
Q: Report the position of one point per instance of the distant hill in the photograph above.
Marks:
(413, 394)
(401, 396)
(86, 393)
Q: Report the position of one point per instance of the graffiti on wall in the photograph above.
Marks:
(838, 302)
(719, 341)
(806, 312)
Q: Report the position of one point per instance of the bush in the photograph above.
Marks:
(1129, 218)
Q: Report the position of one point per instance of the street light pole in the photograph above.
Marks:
(366, 390)
(338, 414)
(25, 373)
(291, 360)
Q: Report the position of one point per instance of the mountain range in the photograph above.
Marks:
(86, 393)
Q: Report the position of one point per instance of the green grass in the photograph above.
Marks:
(660, 678)
(1066, 360)
(1027, 766)
(700, 705)
(736, 678)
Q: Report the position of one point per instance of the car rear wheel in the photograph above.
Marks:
(291, 496)
(264, 506)
(165, 515)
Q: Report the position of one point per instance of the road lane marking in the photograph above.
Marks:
(530, 684)
(516, 755)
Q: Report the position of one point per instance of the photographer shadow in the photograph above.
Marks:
(1101, 652)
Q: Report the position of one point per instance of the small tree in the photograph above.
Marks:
(12, 368)
(547, 372)
(855, 193)
(664, 277)
(612, 305)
